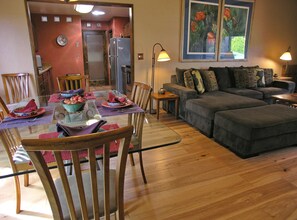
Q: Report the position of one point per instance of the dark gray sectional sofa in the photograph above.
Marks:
(200, 109)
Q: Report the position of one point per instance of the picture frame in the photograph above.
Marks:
(215, 30)
(235, 30)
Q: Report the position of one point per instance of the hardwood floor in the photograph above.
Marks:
(195, 179)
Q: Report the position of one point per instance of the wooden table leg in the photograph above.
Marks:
(157, 110)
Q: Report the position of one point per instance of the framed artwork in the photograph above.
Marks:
(215, 30)
(235, 31)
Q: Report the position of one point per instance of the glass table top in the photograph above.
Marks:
(155, 134)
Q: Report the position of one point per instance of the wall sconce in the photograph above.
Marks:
(162, 57)
(83, 8)
(287, 57)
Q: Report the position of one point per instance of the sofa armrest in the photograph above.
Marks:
(184, 95)
(284, 84)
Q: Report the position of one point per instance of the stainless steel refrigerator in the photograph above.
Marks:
(119, 55)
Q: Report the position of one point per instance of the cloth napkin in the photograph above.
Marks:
(30, 107)
(80, 130)
(113, 98)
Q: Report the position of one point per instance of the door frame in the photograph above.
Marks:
(34, 44)
(105, 53)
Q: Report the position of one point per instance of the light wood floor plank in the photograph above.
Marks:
(194, 179)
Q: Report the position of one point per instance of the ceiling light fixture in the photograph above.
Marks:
(83, 8)
(96, 13)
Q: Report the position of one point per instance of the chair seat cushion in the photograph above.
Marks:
(21, 156)
(88, 194)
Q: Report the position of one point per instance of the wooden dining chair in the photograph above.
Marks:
(16, 86)
(140, 95)
(87, 195)
(18, 158)
(73, 82)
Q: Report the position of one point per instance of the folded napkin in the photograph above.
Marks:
(113, 98)
(80, 130)
(30, 107)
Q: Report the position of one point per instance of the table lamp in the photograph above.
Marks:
(287, 57)
(162, 57)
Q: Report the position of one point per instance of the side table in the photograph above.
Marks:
(168, 96)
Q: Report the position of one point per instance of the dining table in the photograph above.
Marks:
(44, 123)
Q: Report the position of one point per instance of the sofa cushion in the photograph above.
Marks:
(269, 91)
(251, 93)
(212, 102)
(268, 76)
(260, 77)
(222, 76)
(188, 79)
(245, 78)
(180, 76)
(198, 81)
(209, 80)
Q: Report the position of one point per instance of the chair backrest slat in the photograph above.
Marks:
(76, 145)
(65, 183)
(73, 82)
(16, 86)
(140, 95)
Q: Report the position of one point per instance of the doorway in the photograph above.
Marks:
(95, 57)
(82, 52)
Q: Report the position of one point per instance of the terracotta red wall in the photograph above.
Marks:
(67, 59)
(117, 25)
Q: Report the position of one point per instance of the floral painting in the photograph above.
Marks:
(201, 19)
(235, 30)
(203, 27)
(201, 33)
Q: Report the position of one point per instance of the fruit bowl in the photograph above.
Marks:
(74, 104)
(71, 108)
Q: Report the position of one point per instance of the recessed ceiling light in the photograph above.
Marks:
(83, 8)
(98, 12)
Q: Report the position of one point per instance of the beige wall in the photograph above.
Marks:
(159, 21)
(15, 48)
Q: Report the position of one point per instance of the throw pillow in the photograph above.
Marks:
(180, 76)
(240, 76)
(231, 73)
(245, 78)
(222, 76)
(188, 79)
(251, 78)
(209, 80)
(198, 81)
(268, 74)
(260, 78)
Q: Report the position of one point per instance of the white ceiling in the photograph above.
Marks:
(68, 9)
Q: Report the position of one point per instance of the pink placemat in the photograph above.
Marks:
(66, 155)
(56, 97)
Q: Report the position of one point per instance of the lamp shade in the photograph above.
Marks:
(163, 56)
(286, 56)
(83, 8)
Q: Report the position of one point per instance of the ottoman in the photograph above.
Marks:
(201, 112)
(248, 132)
